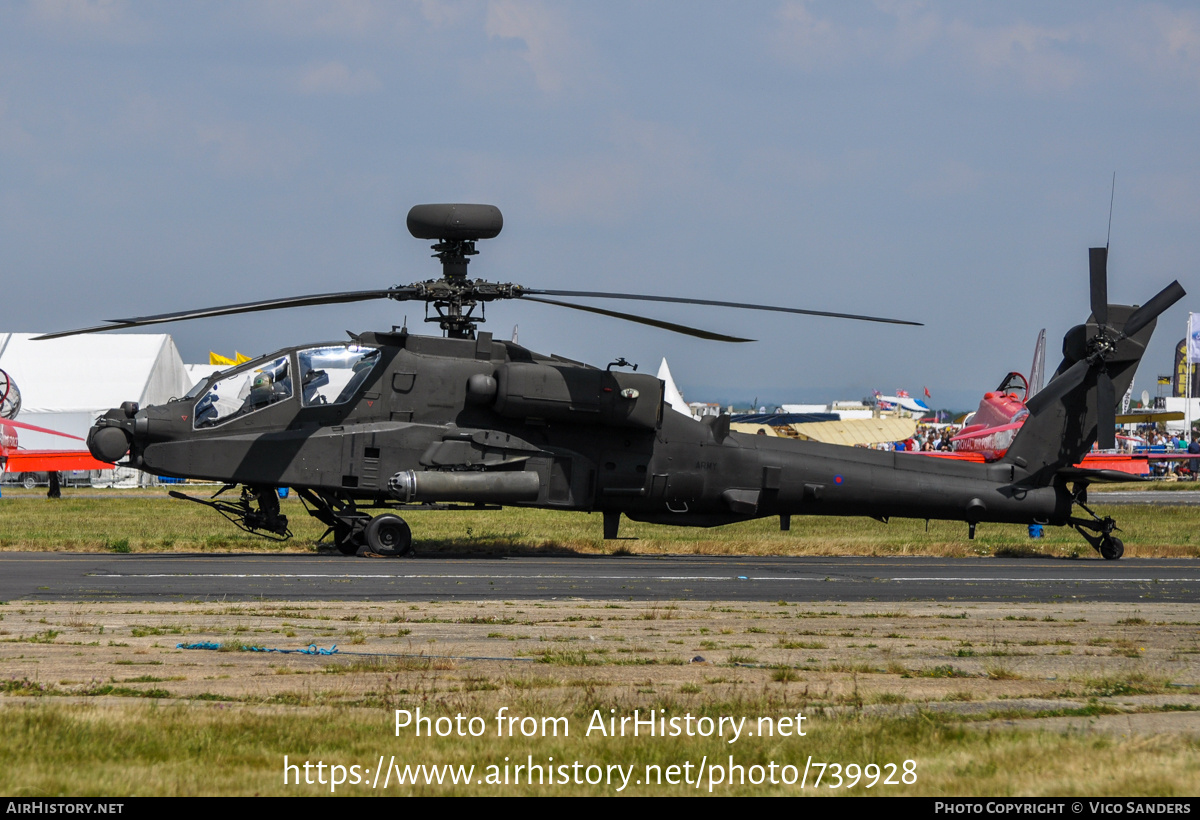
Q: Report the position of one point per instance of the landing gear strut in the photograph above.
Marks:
(355, 532)
(256, 511)
(349, 532)
(1101, 536)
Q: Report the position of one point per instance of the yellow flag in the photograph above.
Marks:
(217, 358)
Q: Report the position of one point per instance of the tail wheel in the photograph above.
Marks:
(389, 535)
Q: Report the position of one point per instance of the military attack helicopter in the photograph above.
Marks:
(391, 419)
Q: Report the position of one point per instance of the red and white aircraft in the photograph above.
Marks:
(994, 425)
(15, 460)
(1002, 411)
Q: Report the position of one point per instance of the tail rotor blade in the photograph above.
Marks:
(1106, 413)
(1098, 267)
(1148, 312)
(1059, 386)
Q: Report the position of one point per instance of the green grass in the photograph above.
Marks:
(1142, 486)
(143, 523)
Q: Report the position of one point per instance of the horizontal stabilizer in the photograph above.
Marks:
(1098, 476)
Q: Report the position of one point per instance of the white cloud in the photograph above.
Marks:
(803, 37)
(13, 138)
(1181, 33)
(439, 13)
(1034, 54)
(1173, 196)
(80, 12)
(951, 178)
(238, 150)
(901, 32)
(333, 77)
(636, 162)
(232, 147)
(815, 169)
(105, 19)
(1161, 40)
(644, 159)
(550, 49)
(598, 187)
(340, 18)
(667, 154)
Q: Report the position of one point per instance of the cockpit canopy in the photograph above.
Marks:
(329, 374)
(333, 374)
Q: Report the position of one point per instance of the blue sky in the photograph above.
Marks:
(944, 162)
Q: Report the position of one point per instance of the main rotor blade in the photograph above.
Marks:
(23, 426)
(712, 303)
(1106, 413)
(1148, 312)
(642, 320)
(245, 307)
(1098, 268)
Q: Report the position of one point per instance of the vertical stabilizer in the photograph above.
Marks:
(1078, 406)
(1037, 371)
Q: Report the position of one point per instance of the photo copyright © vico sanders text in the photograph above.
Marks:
(1093, 807)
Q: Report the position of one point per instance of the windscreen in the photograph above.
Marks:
(260, 385)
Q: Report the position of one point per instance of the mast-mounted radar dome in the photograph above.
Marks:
(455, 223)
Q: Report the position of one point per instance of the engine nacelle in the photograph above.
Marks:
(578, 395)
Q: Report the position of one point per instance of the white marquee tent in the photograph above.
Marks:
(197, 373)
(66, 383)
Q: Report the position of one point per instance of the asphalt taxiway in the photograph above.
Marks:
(83, 577)
(1163, 498)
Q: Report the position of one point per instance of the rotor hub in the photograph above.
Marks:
(1102, 345)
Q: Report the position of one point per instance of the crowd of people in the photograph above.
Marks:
(926, 438)
(1150, 440)
(1146, 439)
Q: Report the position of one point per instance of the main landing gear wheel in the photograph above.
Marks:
(1111, 548)
(388, 535)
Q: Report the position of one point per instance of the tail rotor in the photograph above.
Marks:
(1103, 347)
(1099, 360)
